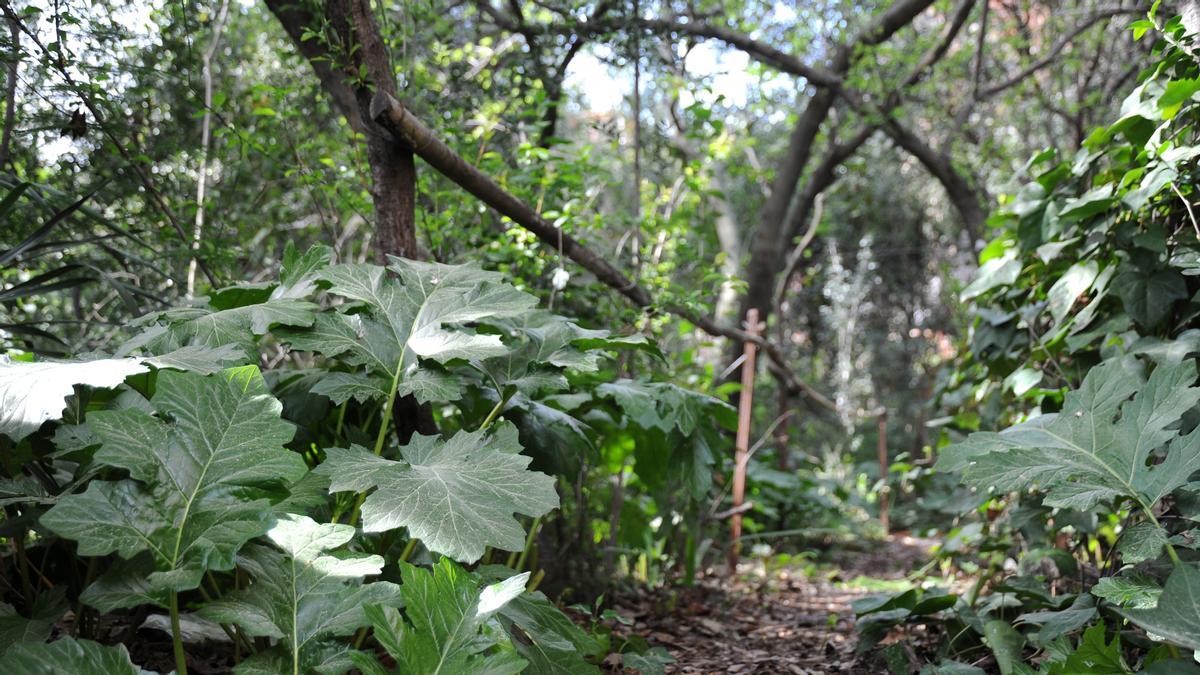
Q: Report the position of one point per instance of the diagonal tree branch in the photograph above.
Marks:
(394, 116)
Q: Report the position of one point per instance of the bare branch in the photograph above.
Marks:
(1052, 55)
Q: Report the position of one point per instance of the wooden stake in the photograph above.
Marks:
(883, 472)
(742, 442)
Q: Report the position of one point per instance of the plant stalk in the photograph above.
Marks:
(382, 435)
(533, 528)
(177, 636)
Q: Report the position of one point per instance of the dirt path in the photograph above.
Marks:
(771, 621)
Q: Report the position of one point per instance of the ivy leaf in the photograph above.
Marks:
(1073, 283)
(1149, 295)
(1176, 619)
(456, 496)
(445, 610)
(68, 655)
(201, 472)
(1087, 454)
(301, 595)
(993, 273)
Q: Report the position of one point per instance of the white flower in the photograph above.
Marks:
(560, 279)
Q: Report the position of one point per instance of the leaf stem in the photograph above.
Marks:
(487, 421)
(177, 636)
(386, 418)
(533, 528)
(1171, 553)
(408, 549)
(341, 419)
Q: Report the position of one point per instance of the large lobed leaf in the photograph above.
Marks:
(457, 496)
(1099, 447)
(301, 595)
(234, 316)
(32, 393)
(68, 655)
(445, 610)
(418, 312)
(201, 471)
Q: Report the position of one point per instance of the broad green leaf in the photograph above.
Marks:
(538, 339)
(1073, 283)
(301, 595)
(1087, 453)
(208, 327)
(1149, 295)
(32, 393)
(68, 655)
(1134, 592)
(298, 273)
(653, 661)
(1176, 619)
(995, 272)
(445, 610)
(412, 310)
(1093, 656)
(545, 637)
(1143, 541)
(557, 441)
(457, 496)
(429, 384)
(48, 608)
(1006, 644)
(952, 668)
(201, 472)
(341, 387)
(1056, 623)
(665, 406)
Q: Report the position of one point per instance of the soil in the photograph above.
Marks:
(770, 620)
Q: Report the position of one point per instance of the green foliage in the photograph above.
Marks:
(302, 596)
(68, 655)
(1081, 350)
(201, 475)
(456, 496)
(191, 483)
(446, 610)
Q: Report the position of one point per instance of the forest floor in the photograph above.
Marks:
(774, 617)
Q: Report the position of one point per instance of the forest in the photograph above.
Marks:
(452, 337)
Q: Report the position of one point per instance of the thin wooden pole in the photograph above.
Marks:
(883, 472)
(742, 442)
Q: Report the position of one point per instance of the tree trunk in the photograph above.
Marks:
(352, 31)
